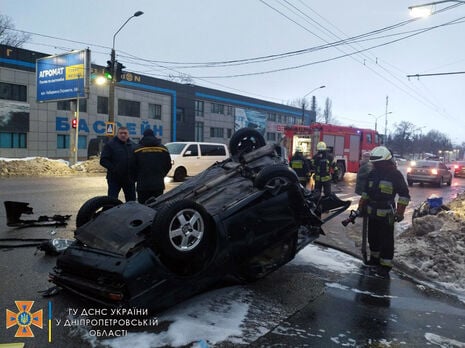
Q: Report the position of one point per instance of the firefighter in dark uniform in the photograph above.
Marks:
(153, 162)
(325, 169)
(383, 184)
(301, 166)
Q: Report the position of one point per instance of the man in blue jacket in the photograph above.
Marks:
(118, 158)
(153, 162)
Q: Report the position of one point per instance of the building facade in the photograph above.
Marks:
(175, 111)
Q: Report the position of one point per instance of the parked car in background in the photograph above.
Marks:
(427, 171)
(191, 158)
(457, 168)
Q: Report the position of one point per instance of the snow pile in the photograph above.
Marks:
(34, 166)
(90, 166)
(41, 166)
(434, 246)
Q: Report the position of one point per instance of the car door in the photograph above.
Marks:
(191, 157)
(446, 174)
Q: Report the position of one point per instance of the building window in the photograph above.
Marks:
(199, 131)
(217, 108)
(180, 115)
(155, 111)
(199, 108)
(229, 112)
(279, 118)
(13, 140)
(63, 141)
(216, 132)
(369, 139)
(270, 136)
(66, 105)
(129, 108)
(272, 116)
(229, 132)
(102, 105)
(11, 91)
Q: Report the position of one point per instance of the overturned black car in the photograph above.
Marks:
(244, 218)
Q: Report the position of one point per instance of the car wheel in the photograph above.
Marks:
(450, 181)
(93, 207)
(180, 174)
(274, 177)
(440, 182)
(341, 171)
(410, 182)
(245, 140)
(182, 229)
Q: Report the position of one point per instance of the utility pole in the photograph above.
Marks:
(385, 121)
(111, 92)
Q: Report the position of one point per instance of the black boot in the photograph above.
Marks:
(383, 271)
(372, 262)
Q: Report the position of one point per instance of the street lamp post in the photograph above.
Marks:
(376, 119)
(420, 11)
(111, 93)
(303, 101)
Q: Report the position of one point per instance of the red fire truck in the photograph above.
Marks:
(346, 144)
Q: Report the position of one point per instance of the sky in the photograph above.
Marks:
(362, 51)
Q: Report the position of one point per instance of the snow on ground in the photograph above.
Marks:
(434, 247)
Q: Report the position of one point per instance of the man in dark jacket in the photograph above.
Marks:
(118, 158)
(300, 164)
(365, 168)
(153, 162)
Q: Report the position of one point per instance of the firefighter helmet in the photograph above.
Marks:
(380, 153)
(321, 146)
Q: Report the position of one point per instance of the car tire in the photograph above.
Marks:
(245, 140)
(450, 181)
(93, 207)
(440, 182)
(182, 230)
(180, 174)
(410, 183)
(341, 171)
(274, 177)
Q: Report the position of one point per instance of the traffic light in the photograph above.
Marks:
(74, 123)
(109, 70)
(119, 71)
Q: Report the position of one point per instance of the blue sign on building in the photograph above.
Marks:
(64, 76)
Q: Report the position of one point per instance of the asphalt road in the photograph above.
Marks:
(320, 307)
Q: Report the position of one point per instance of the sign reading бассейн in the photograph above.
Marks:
(62, 77)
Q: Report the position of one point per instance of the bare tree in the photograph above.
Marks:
(8, 35)
(407, 139)
(328, 112)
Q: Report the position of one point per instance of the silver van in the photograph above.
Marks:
(191, 158)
